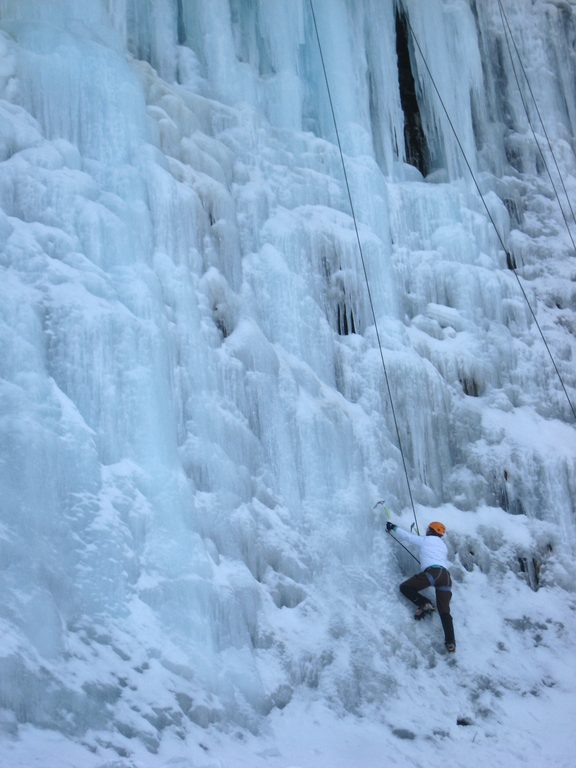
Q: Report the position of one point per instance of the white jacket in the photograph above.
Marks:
(433, 551)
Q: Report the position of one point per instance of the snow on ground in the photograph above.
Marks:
(506, 697)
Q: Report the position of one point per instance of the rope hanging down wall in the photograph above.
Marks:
(507, 37)
(509, 258)
(347, 184)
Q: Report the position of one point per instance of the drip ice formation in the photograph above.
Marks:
(194, 417)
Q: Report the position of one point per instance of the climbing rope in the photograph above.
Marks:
(361, 252)
(509, 36)
(509, 258)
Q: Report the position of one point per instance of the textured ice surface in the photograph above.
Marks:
(194, 421)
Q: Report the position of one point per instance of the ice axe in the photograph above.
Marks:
(388, 515)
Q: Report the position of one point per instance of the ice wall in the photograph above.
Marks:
(194, 421)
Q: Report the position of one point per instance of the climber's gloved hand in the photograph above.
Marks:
(390, 527)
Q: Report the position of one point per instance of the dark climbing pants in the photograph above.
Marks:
(440, 579)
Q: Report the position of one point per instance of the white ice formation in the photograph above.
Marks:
(194, 418)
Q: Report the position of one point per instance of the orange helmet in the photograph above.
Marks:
(438, 528)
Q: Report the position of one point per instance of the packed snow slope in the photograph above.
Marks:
(196, 418)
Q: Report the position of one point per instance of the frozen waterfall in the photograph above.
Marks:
(194, 418)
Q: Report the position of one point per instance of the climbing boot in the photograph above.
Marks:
(424, 610)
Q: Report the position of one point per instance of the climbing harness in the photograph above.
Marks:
(433, 579)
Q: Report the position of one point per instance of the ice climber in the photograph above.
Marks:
(434, 563)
